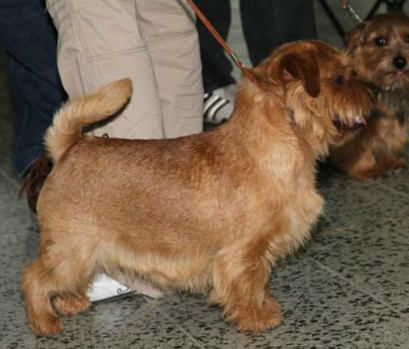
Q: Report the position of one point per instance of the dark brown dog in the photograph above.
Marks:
(379, 50)
(209, 212)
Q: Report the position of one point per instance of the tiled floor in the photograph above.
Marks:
(348, 288)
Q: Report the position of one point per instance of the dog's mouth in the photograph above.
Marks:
(396, 79)
(358, 121)
(397, 73)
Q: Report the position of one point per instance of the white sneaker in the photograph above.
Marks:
(218, 105)
(104, 288)
(230, 92)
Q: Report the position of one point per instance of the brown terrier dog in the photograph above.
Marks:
(380, 53)
(208, 212)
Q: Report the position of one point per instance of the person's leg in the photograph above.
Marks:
(31, 117)
(100, 41)
(268, 24)
(218, 81)
(35, 86)
(169, 30)
(216, 66)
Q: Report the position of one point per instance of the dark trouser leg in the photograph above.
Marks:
(217, 68)
(268, 24)
(30, 41)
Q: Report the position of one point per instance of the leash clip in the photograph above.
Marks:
(347, 7)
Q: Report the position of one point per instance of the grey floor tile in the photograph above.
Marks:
(128, 323)
(398, 183)
(365, 239)
(13, 211)
(320, 311)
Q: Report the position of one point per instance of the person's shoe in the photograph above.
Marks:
(34, 180)
(105, 288)
(218, 105)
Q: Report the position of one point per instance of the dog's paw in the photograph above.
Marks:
(49, 325)
(251, 319)
(259, 321)
(70, 305)
(395, 166)
(366, 174)
(389, 167)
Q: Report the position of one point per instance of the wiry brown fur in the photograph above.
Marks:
(208, 212)
(374, 150)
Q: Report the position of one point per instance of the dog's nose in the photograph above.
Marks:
(399, 62)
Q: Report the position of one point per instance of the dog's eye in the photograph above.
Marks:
(407, 39)
(340, 79)
(380, 41)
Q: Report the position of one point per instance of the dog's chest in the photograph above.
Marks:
(300, 215)
(304, 212)
(397, 101)
(296, 190)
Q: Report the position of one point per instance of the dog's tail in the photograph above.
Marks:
(70, 120)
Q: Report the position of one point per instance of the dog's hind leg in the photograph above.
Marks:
(55, 276)
(240, 285)
(37, 286)
(72, 303)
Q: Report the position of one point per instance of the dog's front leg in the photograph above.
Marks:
(240, 284)
(369, 167)
(391, 164)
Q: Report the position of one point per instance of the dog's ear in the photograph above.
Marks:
(355, 37)
(303, 67)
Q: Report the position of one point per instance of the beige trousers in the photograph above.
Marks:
(154, 42)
